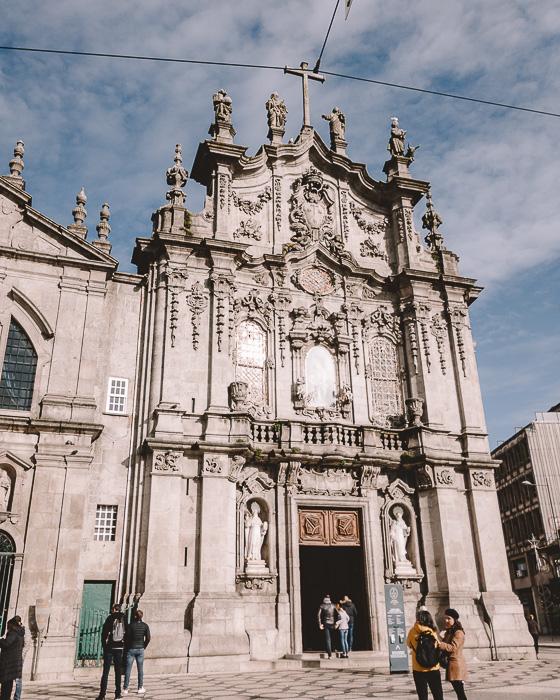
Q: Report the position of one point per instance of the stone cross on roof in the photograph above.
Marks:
(305, 75)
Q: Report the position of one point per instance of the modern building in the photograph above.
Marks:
(283, 402)
(528, 484)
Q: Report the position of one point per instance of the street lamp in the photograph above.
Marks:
(550, 503)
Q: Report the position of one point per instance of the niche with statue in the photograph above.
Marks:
(402, 555)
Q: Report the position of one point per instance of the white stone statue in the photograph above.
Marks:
(399, 534)
(5, 489)
(276, 112)
(255, 532)
(337, 122)
(396, 142)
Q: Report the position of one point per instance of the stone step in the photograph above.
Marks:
(376, 662)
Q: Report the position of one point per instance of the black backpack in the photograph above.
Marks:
(427, 653)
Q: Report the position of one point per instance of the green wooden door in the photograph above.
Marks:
(97, 597)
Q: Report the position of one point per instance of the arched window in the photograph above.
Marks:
(320, 377)
(250, 361)
(18, 371)
(384, 376)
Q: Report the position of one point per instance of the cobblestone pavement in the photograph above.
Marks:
(521, 679)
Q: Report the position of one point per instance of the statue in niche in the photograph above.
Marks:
(276, 112)
(337, 123)
(399, 534)
(5, 490)
(255, 532)
(222, 106)
(396, 142)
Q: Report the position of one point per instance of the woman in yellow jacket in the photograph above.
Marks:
(424, 677)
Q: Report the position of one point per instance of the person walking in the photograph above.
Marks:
(534, 631)
(342, 626)
(453, 643)
(137, 639)
(112, 641)
(327, 617)
(25, 649)
(352, 613)
(10, 658)
(424, 677)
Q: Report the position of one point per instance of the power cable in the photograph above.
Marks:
(281, 68)
(317, 65)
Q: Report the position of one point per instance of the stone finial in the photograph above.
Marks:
(177, 177)
(432, 221)
(16, 164)
(222, 129)
(276, 113)
(103, 228)
(79, 213)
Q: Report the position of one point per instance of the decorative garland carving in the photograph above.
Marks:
(408, 315)
(327, 481)
(370, 249)
(198, 301)
(354, 314)
(222, 189)
(277, 202)
(176, 279)
(249, 229)
(405, 223)
(222, 287)
(251, 208)
(383, 322)
(458, 315)
(422, 314)
(262, 278)
(281, 303)
(344, 214)
(439, 331)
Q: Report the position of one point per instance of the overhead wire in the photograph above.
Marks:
(229, 64)
(318, 64)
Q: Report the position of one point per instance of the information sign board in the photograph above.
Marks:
(396, 629)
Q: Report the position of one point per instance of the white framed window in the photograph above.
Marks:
(250, 360)
(105, 523)
(116, 395)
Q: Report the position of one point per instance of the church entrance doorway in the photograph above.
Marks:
(331, 561)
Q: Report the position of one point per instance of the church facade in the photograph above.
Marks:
(282, 403)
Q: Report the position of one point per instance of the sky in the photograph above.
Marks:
(111, 125)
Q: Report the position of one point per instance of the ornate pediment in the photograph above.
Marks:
(327, 481)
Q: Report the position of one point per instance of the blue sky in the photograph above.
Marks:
(111, 126)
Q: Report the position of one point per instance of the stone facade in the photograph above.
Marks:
(299, 374)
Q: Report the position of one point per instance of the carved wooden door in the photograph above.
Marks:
(329, 528)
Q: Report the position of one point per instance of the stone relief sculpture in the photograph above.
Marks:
(396, 141)
(5, 490)
(222, 106)
(337, 123)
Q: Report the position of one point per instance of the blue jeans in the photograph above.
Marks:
(327, 631)
(132, 654)
(350, 635)
(109, 657)
(344, 641)
(17, 694)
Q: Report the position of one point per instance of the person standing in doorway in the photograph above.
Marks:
(342, 626)
(352, 613)
(453, 643)
(112, 640)
(25, 649)
(327, 617)
(137, 639)
(424, 677)
(10, 658)
(534, 631)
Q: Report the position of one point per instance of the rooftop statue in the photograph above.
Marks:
(337, 123)
(222, 106)
(276, 112)
(396, 142)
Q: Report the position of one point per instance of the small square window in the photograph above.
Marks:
(116, 395)
(105, 524)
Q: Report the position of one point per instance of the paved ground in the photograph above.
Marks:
(521, 680)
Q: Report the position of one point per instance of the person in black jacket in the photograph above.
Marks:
(137, 639)
(326, 617)
(10, 658)
(112, 640)
(352, 613)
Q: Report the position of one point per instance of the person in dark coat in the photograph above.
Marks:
(352, 613)
(327, 618)
(137, 639)
(534, 631)
(10, 658)
(112, 640)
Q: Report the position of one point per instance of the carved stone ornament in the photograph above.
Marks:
(482, 479)
(439, 331)
(414, 408)
(197, 299)
(372, 247)
(238, 395)
(255, 583)
(371, 478)
(236, 463)
(327, 481)
(445, 476)
(383, 322)
(5, 490)
(310, 215)
(176, 279)
(252, 208)
(222, 287)
(314, 280)
(212, 465)
(167, 461)
(458, 317)
(248, 229)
